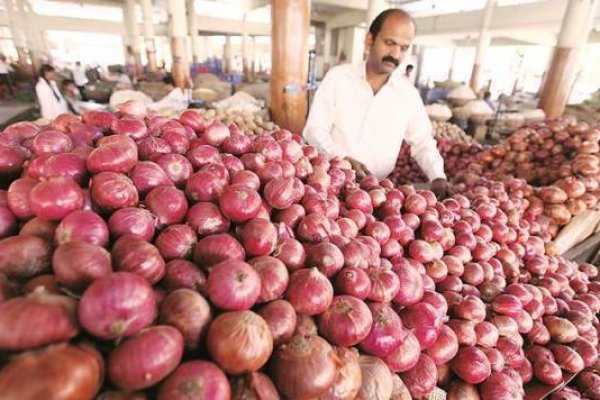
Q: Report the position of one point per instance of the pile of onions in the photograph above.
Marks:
(187, 258)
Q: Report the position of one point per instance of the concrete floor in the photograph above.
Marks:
(11, 112)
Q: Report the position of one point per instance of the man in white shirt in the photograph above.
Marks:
(52, 103)
(79, 77)
(364, 111)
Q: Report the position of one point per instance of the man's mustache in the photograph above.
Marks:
(391, 59)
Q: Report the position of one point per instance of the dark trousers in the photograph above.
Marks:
(5, 80)
(81, 91)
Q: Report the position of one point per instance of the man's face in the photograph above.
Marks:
(388, 49)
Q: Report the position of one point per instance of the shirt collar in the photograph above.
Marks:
(359, 71)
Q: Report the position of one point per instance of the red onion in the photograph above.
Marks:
(406, 355)
(589, 384)
(176, 167)
(281, 318)
(291, 253)
(354, 282)
(201, 155)
(502, 387)
(216, 248)
(81, 225)
(204, 186)
(487, 334)
(422, 378)
(258, 236)
(309, 291)
(117, 305)
(470, 308)
(445, 347)
(77, 264)
(206, 219)
(189, 312)
(55, 198)
(176, 241)
(233, 285)
(421, 251)
(201, 379)
(239, 203)
(239, 342)
(132, 220)
(314, 228)
(111, 191)
(568, 359)
(194, 120)
(23, 257)
(346, 322)
(180, 274)
(326, 257)
(145, 359)
(132, 253)
(561, 330)
(119, 156)
(20, 314)
(465, 331)
(425, 322)
(495, 357)
(168, 204)
(147, 175)
(376, 379)
(274, 277)
(237, 144)
(51, 142)
(18, 197)
(471, 365)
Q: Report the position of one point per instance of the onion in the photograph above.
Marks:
(117, 305)
(77, 264)
(111, 191)
(411, 285)
(511, 350)
(406, 355)
(470, 308)
(55, 198)
(589, 384)
(189, 312)
(204, 186)
(233, 285)
(561, 330)
(132, 253)
(376, 379)
(201, 155)
(145, 359)
(386, 332)
(568, 359)
(425, 322)
(465, 331)
(217, 248)
(132, 220)
(586, 350)
(23, 257)
(194, 120)
(119, 155)
(502, 387)
(86, 226)
(176, 241)
(35, 375)
(258, 236)
(206, 219)
(51, 142)
(281, 318)
(239, 203)
(12, 160)
(547, 372)
(180, 274)
(281, 193)
(421, 251)
(177, 168)
(471, 365)
(18, 197)
(422, 378)
(239, 342)
(309, 291)
(495, 357)
(18, 315)
(386, 285)
(306, 367)
(460, 390)
(354, 282)
(201, 380)
(291, 253)
(349, 377)
(274, 277)
(326, 257)
(445, 347)
(147, 175)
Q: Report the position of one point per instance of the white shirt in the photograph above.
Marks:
(5, 68)
(79, 76)
(347, 120)
(50, 106)
(176, 100)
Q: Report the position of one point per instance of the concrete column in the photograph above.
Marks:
(374, 8)
(132, 34)
(193, 27)
(245, 49)
(149, 34)
(576, 27)
(253, 58)
(452, 61)
(178, 32)
(227, 55)
(327, 48)
(289, 73)
(15, 26)
(482, 45)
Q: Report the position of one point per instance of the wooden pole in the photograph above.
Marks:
(178, 32)
(576, 27)
(132, 44)
(149, 34)
(289, 71)
(482, 45)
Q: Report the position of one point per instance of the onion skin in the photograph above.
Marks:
(471, 365)
(77, 264)
(460, 390)
(422, 378)
(189, 312)
(201, 380)
(281, 318)
(23, 257)
(116, 306)
(304, 368)
(82, 225)
(233, 285)
(348, 381)
(131, 253)
(53, 316)
(239, 342)
(78, 375)
(145, 359)
(309, 291)
(376, 379)
(346, 322)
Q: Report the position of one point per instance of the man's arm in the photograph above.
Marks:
(423, 147)
(317, 130)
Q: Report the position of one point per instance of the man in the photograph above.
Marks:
(5, 71)
(408, 71)
(364, 111)
(52, 103)
(80, 78)
(72, 95)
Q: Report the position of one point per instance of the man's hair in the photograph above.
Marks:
(168, 80)
(78, 63)
(410, 67)
(377, 23)
(46, 68)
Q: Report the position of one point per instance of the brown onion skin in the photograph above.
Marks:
(460, 390)
(305, 367)
(51, 316)
(33, 375)
(254, 386)
(145, 359)
(376, 379)
(23, 257)
(189, 312)
(239, 342)
(348, 381)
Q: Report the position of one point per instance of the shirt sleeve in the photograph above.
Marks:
(423, 147)
(317, 130)
(46, 100)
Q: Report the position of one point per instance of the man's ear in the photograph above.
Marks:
(368, 41)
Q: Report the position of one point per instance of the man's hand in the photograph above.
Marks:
(440, 187)
(360, 168)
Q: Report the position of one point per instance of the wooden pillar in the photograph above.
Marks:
(574, 32)
(289, 62)
(194, 37)
(132, 33)
(374, 8)
(178, 32)
(245, 49)
(149, 34)
(482, 45)
(17, 27)
(227, 51)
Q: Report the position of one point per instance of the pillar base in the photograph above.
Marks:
(559, 81)
(179, 68)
